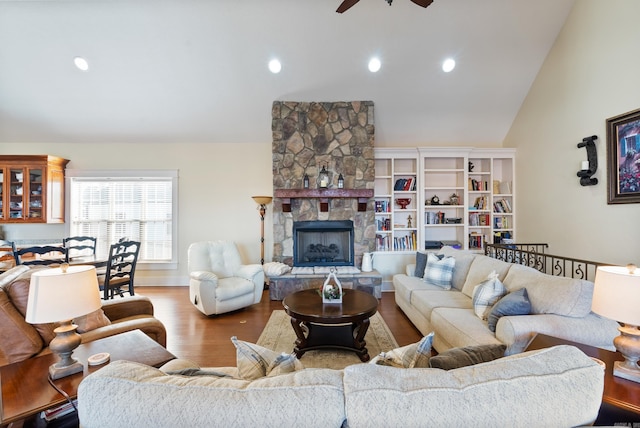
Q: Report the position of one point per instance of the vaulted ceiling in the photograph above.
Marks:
(196, 70)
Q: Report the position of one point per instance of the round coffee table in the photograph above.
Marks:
(330, 325)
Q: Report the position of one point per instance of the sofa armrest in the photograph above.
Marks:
(149, 325)
(249, 271)
(517, 331)
(116, 309)
(202, 275)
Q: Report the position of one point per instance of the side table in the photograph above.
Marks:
(25, 386)
(620, 398)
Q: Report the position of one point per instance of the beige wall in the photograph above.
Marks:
(590, 74)
(216, 182)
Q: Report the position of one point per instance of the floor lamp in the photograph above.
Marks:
(262, 201)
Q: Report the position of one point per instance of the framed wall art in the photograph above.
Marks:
(623, 158)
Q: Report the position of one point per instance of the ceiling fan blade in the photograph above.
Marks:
(345, 5)
(423, 3)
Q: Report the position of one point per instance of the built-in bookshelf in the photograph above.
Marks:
(462, 197)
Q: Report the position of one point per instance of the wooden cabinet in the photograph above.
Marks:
(32, 189)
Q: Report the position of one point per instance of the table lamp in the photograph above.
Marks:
(616, 295)
(60, 295)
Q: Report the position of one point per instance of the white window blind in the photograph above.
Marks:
(139, 206)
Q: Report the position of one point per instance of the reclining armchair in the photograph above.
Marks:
(218, 281)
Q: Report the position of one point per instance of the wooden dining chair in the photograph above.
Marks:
(120, 270)
(80, 246)
(54, 255)
(7, 254)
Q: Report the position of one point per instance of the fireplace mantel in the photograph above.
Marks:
(363, 195)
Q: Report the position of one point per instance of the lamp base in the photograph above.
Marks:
(56, 372)
(628, 344)
(63, 344)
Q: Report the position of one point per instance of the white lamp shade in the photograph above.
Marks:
(55, 295)
(616, 294)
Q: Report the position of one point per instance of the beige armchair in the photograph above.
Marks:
(219, 282)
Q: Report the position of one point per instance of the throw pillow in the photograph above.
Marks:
(184, 367)
(439, 271)
(515, 303)
(18, 292)
(18, 339)
(486, 294)
(421, 264)
(254, 361)
(411, 356)
(91, 321)
(466, 356)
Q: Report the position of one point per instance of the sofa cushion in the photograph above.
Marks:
(18, 292)
(18, 339)
(95, 319)
(486, 294)
(457, 327)
(481, 267)
(425, 301)
(255, 361)
(519, 390)
(466, 356)
(421, 264)
(312, 398)
(463, 264)
(514, 303)
(552, 294)
(439, 271)
(415, 355)
(11, 274)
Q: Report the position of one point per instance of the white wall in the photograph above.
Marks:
(590, 74)
(216, 182)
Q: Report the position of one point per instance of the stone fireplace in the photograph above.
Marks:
(306, 137)
(323, 243)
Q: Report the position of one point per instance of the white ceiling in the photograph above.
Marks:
(196, 70)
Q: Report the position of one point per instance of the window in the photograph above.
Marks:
(137, 205)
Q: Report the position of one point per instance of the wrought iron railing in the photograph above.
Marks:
(533, 255)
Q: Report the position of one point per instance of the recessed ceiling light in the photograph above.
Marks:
(374, 65)
(448, 65)
(81, 63)
(275, 66)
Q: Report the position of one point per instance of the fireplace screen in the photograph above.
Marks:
(323, 243)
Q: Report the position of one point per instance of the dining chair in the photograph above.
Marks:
(54, 255)
(120, 269)
(80, 246)
(7, 254)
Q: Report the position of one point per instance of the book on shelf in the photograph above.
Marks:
(502, 206)
(476, 241)
(478, 185)
(382, 206)
(506, 187)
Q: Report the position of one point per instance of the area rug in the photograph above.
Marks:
(279, 336)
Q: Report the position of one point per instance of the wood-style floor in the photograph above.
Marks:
(206, 340)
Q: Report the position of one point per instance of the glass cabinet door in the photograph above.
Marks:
(16, 192)
(34, 197)
(2, 194)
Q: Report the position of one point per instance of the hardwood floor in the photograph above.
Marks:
(206, 340)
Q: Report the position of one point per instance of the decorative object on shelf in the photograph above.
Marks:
(262, 202)
(340, 182)
(616, 295)
(323, 178)
(589, 167)
(403, 202)
(332, 292)
(454, 199)
(409, 222)
(623, 158)
(435, 200)
(305, 181)
(471, 166)
(60, 295)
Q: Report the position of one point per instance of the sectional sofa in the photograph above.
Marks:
(559, 387)
(559, 306)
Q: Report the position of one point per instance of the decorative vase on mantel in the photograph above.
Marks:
(332, 291)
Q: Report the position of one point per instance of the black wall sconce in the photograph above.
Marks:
(591, 163)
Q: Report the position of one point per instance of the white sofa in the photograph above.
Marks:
(560, 306)
(554, 387)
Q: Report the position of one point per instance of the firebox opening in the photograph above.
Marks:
(323, 243)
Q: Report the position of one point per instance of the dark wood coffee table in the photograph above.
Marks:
(329, 325)
(26, 390)
(620, 398)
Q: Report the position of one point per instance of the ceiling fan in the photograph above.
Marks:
(347, 4)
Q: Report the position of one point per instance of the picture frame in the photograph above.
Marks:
(623, 158)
